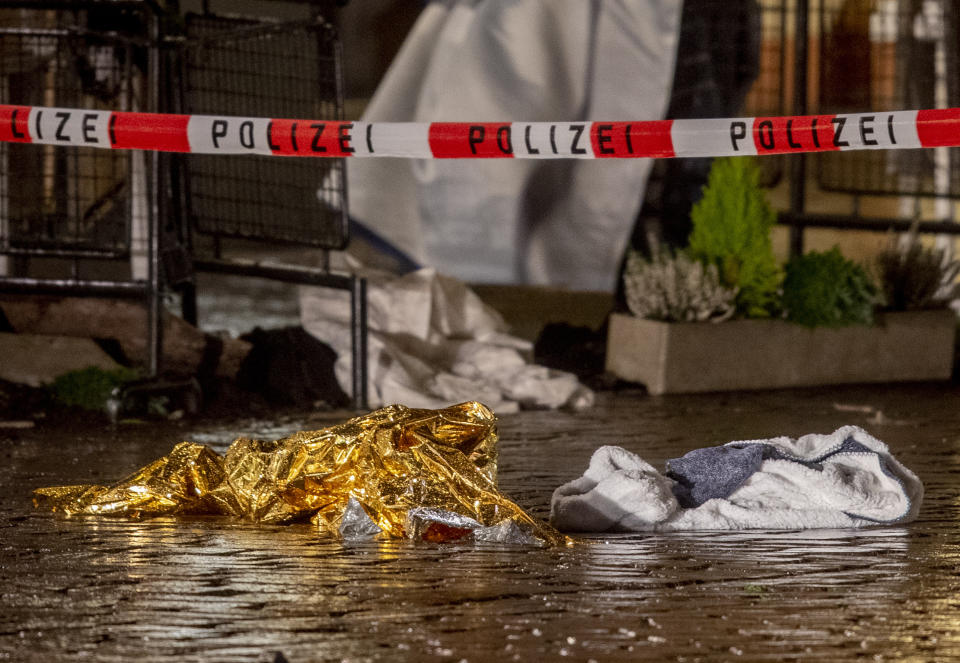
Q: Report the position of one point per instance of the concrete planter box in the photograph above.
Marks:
(765, 354)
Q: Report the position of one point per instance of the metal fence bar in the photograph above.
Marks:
(155, 212)
(358, 337)
(843, 222)
(798, 162)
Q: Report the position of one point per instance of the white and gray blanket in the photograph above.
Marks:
(845, 479)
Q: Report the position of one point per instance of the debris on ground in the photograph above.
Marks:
(17, 424)
(877, 417)
(574, 349)
(290, 367)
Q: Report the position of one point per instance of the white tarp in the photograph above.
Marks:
(562, 223)
(433, 342)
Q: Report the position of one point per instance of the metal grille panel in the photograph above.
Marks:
(889, 55)
(76, 201)
(240, 67)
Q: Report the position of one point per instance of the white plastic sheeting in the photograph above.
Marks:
(433, 342)
(562, 223)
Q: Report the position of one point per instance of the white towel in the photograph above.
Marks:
(845, 479)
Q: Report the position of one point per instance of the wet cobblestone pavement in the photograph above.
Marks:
(205, 589)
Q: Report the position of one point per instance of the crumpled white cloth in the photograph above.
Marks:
(432, 341)
(814, 481)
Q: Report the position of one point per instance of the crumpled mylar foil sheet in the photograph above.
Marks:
(394, 473)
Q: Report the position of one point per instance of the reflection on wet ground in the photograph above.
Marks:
(219, 590)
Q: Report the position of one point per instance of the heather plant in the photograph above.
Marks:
(827, 289)
(731, 230)
(675, 288)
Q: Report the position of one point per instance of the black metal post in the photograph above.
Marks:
(154, 194)
(358, 329)
(798, 162)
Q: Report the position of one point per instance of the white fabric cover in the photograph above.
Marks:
(433, 342)
(563, 222)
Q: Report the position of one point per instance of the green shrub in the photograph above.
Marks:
(675, 288)
(915, 276)
(826, 289)
(89, 388)
(731, 229)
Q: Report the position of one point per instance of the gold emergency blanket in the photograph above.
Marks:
(396, 472)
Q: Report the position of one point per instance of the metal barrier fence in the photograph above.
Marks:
(84, 221)
(80, 221)
(66, 202)
(240, 66)
(848, 56)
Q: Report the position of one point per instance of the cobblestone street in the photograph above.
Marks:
(206, 589)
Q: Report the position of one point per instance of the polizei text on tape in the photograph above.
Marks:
(215, 134)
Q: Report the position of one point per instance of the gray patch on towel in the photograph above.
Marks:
(705, 474)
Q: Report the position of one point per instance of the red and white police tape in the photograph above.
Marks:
(221, 134)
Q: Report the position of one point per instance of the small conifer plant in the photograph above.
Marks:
(731, 229)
